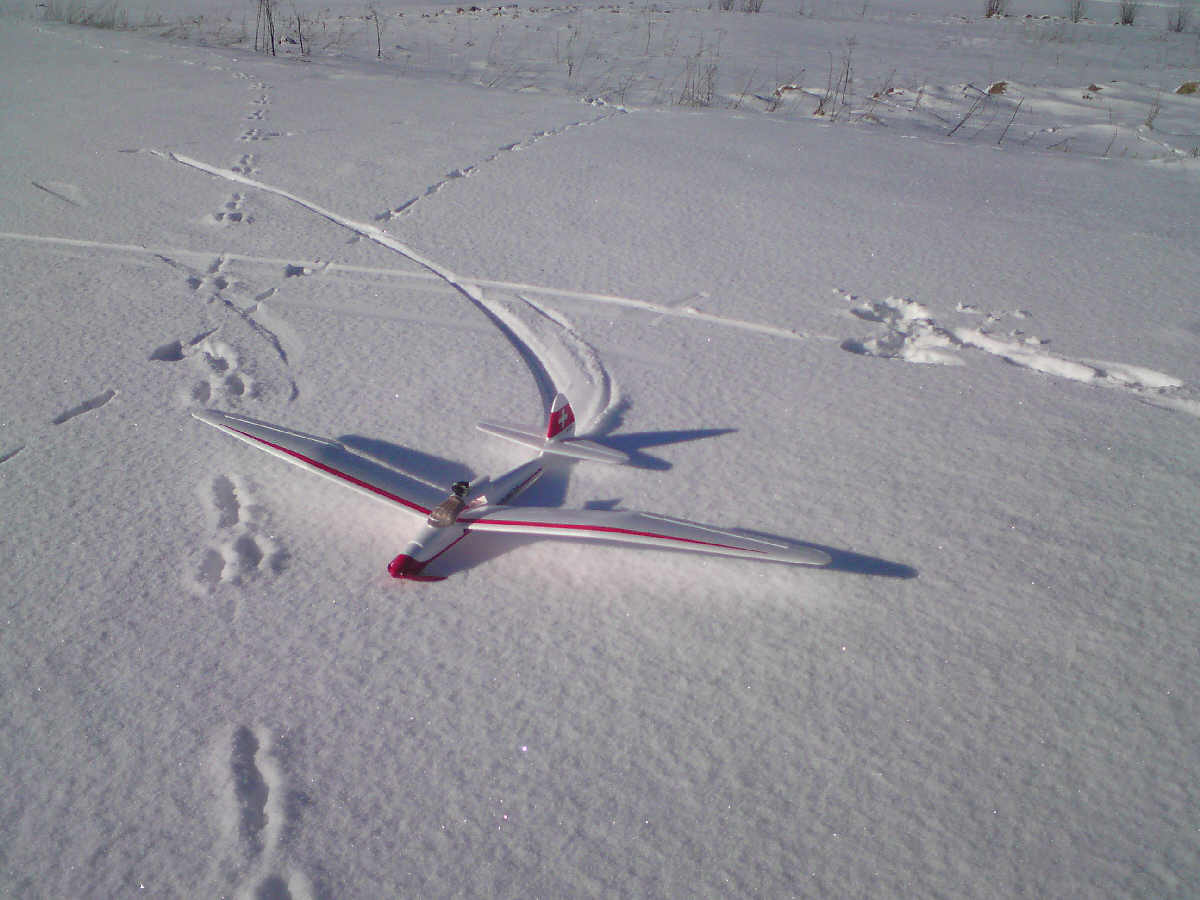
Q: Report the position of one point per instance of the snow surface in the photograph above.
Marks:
(947, 330)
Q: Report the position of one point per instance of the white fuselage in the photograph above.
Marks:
(434, 539)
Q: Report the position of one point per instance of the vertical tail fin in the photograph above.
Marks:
(561, 423)
(558, 439)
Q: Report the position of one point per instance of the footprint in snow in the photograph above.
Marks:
(245, 165)
(231, 214)
(213, 279)
(225, 381)
(238, 549)
(257, 134)
(85, 407)
(911, 333)
(265, 814)
(241, 316)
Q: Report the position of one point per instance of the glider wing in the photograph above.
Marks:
(630, 527)
(330, 459)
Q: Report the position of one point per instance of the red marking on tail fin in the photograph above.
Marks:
(562, 418)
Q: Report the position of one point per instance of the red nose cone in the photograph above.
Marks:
(403, 566)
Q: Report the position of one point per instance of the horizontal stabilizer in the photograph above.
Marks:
(576, 448)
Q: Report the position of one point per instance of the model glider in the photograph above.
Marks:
(485, 505)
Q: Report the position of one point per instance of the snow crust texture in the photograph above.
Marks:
(725, 253)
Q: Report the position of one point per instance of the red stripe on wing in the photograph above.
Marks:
(337, 473)
(608, 529)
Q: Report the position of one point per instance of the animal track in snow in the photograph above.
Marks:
(86, 406)
(473, 288)
(389, 214)
(258, 112)
(299, 270)
(224, 376)
(238, 549)
(262, 809)
(210, 279)
(913, 334)
(231, 213)
(260, 104)
(217, 361)
(217, 285)
(466, 171)
(257, 134)
(245, 165)
(174, 351)
(250, 790)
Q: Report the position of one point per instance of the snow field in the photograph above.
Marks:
(214, 688)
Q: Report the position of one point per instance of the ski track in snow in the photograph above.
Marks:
(914, 335)
(557, 361)
(263, 813)
(557, 356)
(573, 364)
(292, 267)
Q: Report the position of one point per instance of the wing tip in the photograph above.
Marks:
(209, 416)
(811, 556)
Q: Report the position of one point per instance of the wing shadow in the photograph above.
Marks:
(551, 490)
(479, 549)
(857, 563)
(635, 444)
(435, 470)
(844, 560)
